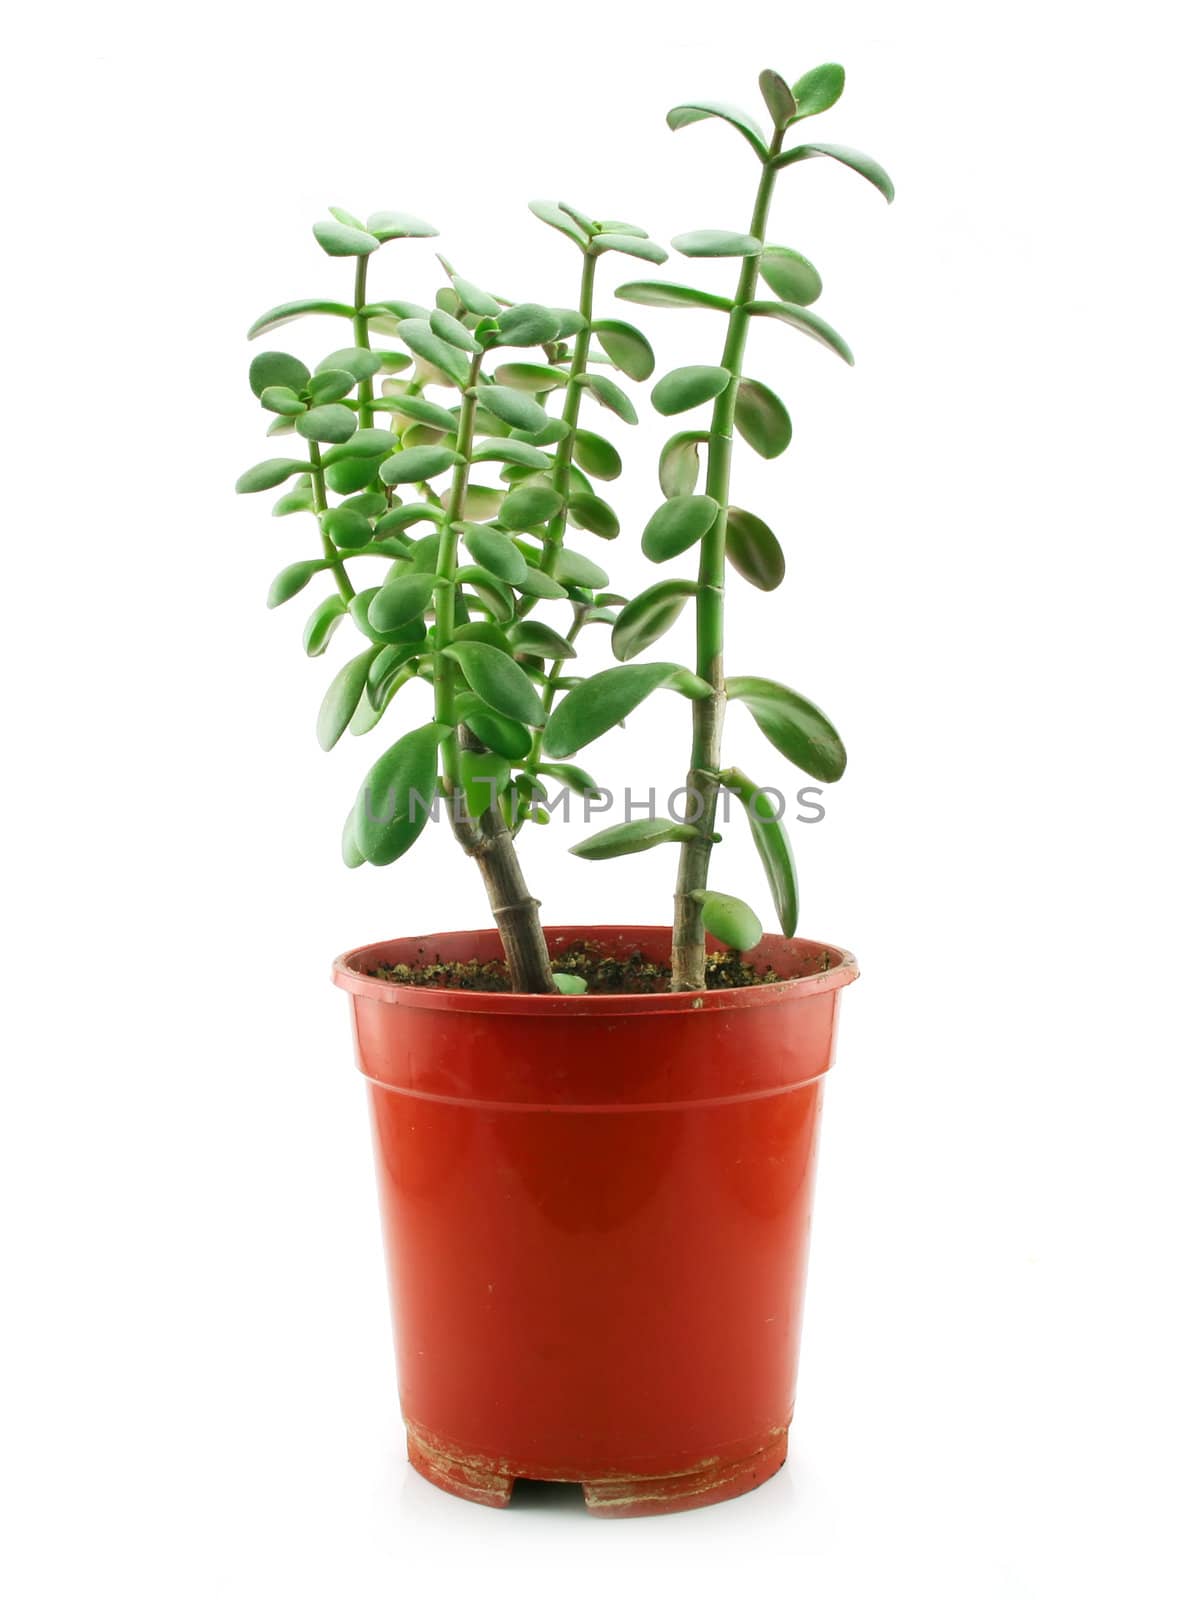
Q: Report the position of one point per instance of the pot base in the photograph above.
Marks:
(490, 1483)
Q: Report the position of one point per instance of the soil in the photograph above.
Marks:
(603, 974)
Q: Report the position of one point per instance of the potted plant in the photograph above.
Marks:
(594, 1145)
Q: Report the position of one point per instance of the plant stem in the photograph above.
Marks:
(361, 339)
(555, 531)
(489, 842)
(320, 504)
(688, 944)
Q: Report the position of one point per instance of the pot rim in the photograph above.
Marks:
(348, 974)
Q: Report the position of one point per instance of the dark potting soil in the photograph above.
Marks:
(604, 974)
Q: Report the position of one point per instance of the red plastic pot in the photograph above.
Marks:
(596, 1216)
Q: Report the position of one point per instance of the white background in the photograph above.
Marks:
(981, 526)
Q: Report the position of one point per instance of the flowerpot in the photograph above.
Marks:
(596, 1213)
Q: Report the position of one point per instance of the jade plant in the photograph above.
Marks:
(441, 524)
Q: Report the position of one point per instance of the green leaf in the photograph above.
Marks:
(526, 324)
(530, 505)
(388, 671)
(717, 242)
(753, 550)
(480, 503)
(483, 776)
(540, 586)
(341, 700)
(402, 598)
(406, 517)
(471, 296)
(628, 838)
(679, 463)
(411, 632)
(268, 474)
(609, 394)
(329, 386)
(777, 97)
(627, 347)
(328, 424)
(650, 615)
(512, 407)
(530, 376)
(346, 476)
(394, 804)
(384, 225)
(322, 624)
(415, 465)
(499, 681)
(417, 336)
(530, 638)
(686, 387)
(729, 919)
(291, 309)
(798, 729)
(569, 983)
(420, 410)
(347, 529)
(271, 368)
(501, 734)
(671, 294)
(370, 504)
(587, 224)
(790, 275)
(601, 702)
(677, 525)
(483, 633)
(277, 397)
(549, 211)
(597, 455)
(855, 160)
(574, 778)
(367, 444)
(338, 239)
(806, 321)
(494, 551)
(771, 842)
(595, 515)
(515, 452)
(451, 330)
(291, 580)
(572, 567)
(359, 364)
(628, 244)
(818, 90)
(761, 418)
(696, 111)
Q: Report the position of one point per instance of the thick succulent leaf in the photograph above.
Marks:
(798, 729)
(341, 699)
(677, 525)
(599, 703)
(790, 275)
(550, 211)
(609, 394)
(471, 297)
(649, 616)
(327, 424)
(540, 586)
(507, 738)
(329, 386)
(352, 359)
(513, 451)
(530, 505)
(717, 242)
(818, 90)
(591, 512)
(671, 294)
(268, 474)
(806, 321)
(499, 681)
(855, 160)
(291, 580)
(402, 598)
(597, 455)
(271, 368)
(418, 336)
(572, 567)
(483, 776)
(298, 499)
(323, 623)
(530, 376)
(569, 983)
(452, 332)
(338, 239)
(291, 309)
(513, 407)
(367, 444)
(419, 463)
(761, 418)
(771, 842)
(680, 464)
(527, 324)
(571, 777)
(628, 838)
(495, 551)
(394, 804)
(385, 225)
(753, 550)
(777, 97)
(729, 919)
(277, 397)
(420, 410)
(686, 387)
(629, 244)
(532, 638)
(347, 529)
(696, 111)
(627, 348)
